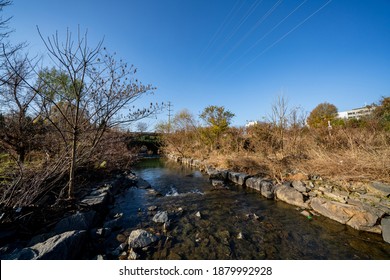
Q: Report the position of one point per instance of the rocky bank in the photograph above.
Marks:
(362, 206)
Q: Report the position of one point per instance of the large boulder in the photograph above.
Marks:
(217, 174)
(96, 202)
(352, 215)
(290, 195)
(379, 188)
(78, 221)
(64, 246)
(141, 238)
(254, 183)
(385, 223)
(267, 189)
(299, 186)
(238, 178)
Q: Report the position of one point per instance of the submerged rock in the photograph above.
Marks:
(152, 208)
(238, 178)
(161, 217)
(140, 238)
(218, 184)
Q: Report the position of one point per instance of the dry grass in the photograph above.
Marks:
(358, 154)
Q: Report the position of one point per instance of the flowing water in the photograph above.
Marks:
(235, 223)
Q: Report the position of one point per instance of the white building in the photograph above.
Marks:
(251, 123)
(356, 113)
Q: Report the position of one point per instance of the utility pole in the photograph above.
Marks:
(170, 110)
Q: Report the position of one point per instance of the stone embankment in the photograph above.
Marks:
(78, 234)
(362, 206)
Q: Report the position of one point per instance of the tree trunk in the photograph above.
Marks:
(72, 165)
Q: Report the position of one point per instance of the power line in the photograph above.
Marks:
(219, 30)
(250, 11)
(288, 33)
(257, 24)
(266, 34)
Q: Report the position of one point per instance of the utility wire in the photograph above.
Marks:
(266, 34)
(288, 33)
(257, 24)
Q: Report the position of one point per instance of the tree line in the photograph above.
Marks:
(287, 140)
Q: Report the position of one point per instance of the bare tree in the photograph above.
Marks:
(4, 31)
(279, 117)
(16, 130)
(142, 127)
(89, 93)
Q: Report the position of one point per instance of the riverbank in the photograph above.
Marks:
(67, 229)
(362, 206)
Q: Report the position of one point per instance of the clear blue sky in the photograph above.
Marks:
(240, 54)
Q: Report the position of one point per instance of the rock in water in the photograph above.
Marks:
(152, 208)
(141, 238)
(161, 217)
(290, 196)
(385, 223)
(133, 255)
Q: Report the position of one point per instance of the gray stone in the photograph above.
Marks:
(385, 223)
(142, 184)
(336, 196)
(339, 212)
(160, 217)
(267, 189)
(254, 183)
(64, 246)
(299, 186)
(96, 202)
(198, 214)
(21, 254)
(370, 198)
(113, 224)
(102, 189)
(152, 208)
(290, 196)
(217, 174)
(218, 184)
(379, 188)
(141, 238)
(238, 178)
(78, 221)
(354, 216)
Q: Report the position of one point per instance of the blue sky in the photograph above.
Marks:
(240, 54)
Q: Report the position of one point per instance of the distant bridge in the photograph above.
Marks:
(146, 142)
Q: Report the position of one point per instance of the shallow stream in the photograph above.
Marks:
(235, 223)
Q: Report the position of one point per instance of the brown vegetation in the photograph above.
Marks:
(283, 147)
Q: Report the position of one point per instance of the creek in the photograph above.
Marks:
(235, 223)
